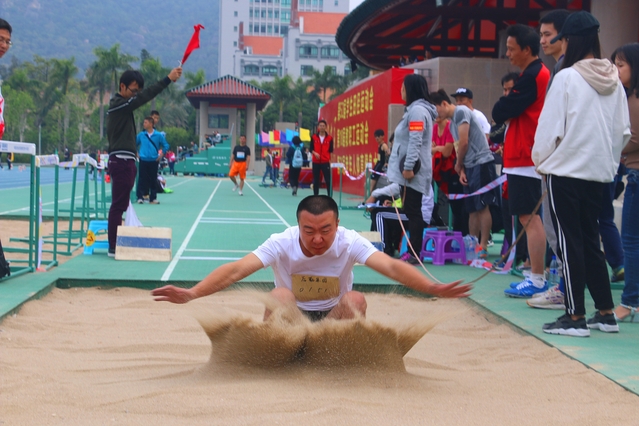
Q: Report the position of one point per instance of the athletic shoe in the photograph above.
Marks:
(408, 258)
(482, 253)
(566, 326)
(111, 252)
(525, 289)
(140, 201)
(618, 274)
(154, 202)
(551, 299)
(240, 192)
(490, 242)
(235, 187)
(606, 323)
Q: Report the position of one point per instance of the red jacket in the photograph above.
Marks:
(522, 107)
(324, 149)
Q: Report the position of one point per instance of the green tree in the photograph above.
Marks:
(281, 91)
(62, 75)
(325, 81)
(16, 116)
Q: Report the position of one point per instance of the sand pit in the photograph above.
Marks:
(91, 356)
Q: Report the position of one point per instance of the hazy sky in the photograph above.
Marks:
(355, 3)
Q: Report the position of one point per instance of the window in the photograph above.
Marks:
(256, 29)
(269, 70)
(250, 12)
(314, 3)
(270, 13)
(308, 51)
(336, 2)
(269, 29)
(251, 70)
(263, 13)
(347, 69)
(307, 70)
(235, 44)
(286, 16)
(276, 29)
(263, 28)
(277, 14)
(284, 30)
(331, 52)
(218, 121)
(235, 28)
(250, 28)
(286, 2)
(333, 70)
(235, 13)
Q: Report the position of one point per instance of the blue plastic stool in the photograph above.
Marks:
(97, 226)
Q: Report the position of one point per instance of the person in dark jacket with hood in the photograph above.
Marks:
(121, 134)
(410, 162)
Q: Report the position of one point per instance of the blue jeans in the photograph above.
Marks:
(269, 173)
(630, 239)
(608, 230)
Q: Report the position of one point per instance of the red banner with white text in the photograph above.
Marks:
(352, 119)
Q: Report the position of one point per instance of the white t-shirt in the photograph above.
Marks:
(483, 121)
(284, 254)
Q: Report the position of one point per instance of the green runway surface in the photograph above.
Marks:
(213, 225)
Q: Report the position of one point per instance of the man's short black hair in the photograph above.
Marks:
(525, 37)
(511, 76)
(378, 133)
(316, 205)
(155, 112)
(322, 121)
(129, 76)
(149, 118)
(556, 17)
(4, 25)
(438, 97)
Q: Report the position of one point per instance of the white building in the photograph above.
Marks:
(260, 39)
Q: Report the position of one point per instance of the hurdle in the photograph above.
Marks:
(21, 266)
(342, 171)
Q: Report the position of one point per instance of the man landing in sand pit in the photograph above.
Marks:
(313, 267)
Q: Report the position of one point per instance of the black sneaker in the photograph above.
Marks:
(111, 252)
(606, 323)
(566, 326)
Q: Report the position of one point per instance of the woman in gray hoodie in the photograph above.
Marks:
(410, 164)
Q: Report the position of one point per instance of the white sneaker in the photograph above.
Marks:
(235, 188)
(241, 193)
(551, 299)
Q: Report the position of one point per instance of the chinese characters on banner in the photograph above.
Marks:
(354, 116)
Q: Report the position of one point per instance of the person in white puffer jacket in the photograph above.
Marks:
(582, 129)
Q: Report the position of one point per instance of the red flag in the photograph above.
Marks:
(194, 43)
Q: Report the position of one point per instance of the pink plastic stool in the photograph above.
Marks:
(443, 250)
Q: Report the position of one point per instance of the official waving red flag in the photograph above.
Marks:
(194, 43)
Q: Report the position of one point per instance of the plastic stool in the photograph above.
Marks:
(97, 226)
(404, 245)
(443, 247)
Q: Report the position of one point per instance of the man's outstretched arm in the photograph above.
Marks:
(411, 277)
(217, 280)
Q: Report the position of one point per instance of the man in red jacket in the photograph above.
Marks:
(520, 109)
(321, 148)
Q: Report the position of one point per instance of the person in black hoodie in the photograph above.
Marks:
(121, 133)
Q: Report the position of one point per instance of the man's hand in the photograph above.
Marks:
(408, 174)
(316, 154)
(462, 177)
(172, 294)
(175, 74)
(453, 290)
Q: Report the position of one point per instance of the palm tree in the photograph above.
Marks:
(98, 79)
(301, 96)
(62, 75)
(281, 92)
(322, 82)
(153, 71)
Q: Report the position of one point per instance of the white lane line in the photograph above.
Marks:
(77, 198)
(234, 219)
(239, 211)
(176, 258)
(219, 251)
(181, 183)
(221, 222)
(268, 205)
(208, 258)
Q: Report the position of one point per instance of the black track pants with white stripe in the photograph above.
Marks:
(575, 205)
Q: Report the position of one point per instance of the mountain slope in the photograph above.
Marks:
(66, 28)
